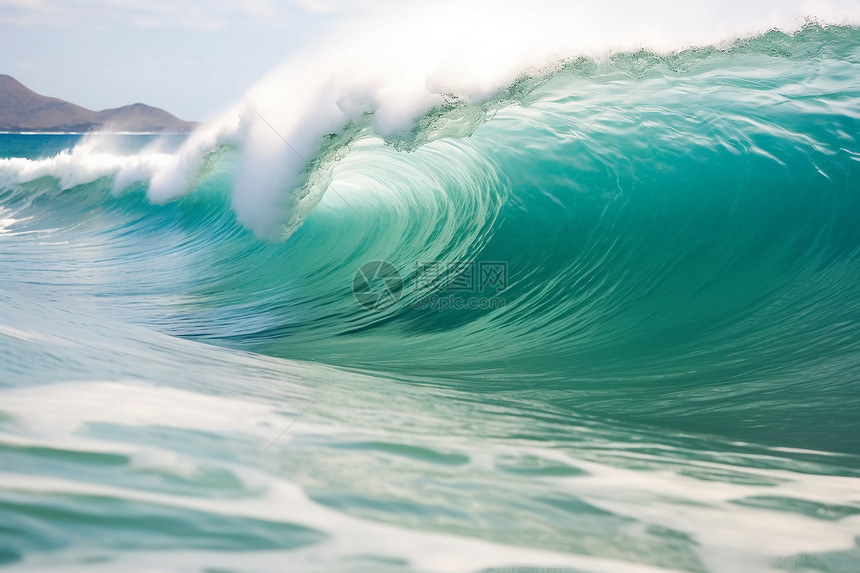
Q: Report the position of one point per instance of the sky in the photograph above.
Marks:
(193, 58)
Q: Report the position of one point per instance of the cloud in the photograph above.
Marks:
(26, 4)
(145, 14)
(259, 8)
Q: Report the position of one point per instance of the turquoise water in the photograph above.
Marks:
(654, 366)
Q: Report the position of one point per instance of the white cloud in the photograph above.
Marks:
(259, 8)
(27, 4)
(194, 14)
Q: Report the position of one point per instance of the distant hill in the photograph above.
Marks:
(22, 109)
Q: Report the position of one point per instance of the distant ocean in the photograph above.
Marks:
(603, 319)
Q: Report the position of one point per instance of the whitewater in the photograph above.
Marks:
(459, 287)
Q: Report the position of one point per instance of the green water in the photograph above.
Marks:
(662, 375)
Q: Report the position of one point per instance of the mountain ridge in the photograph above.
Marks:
(22, 109)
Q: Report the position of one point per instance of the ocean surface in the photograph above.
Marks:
(604, 318)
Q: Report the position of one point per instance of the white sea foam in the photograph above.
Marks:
(89, 160)
(728, 536)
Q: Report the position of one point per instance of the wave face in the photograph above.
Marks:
(618, 327)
